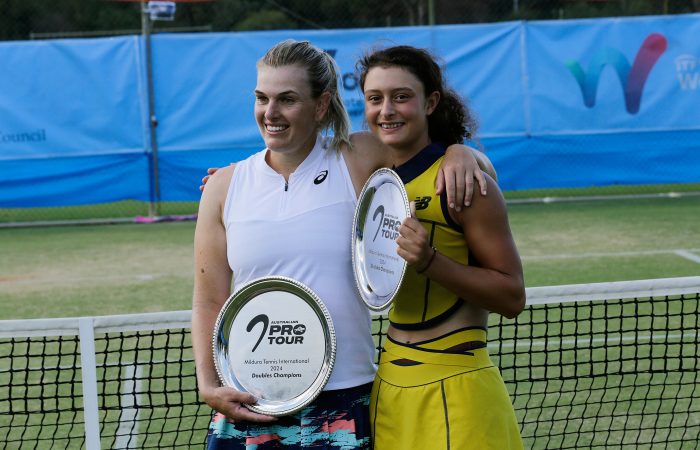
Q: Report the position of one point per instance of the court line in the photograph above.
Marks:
(589, 198)
(128, 432)
(678, 252)
(508, 343)
(687, 255)
(30, 280)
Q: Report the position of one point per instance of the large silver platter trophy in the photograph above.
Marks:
(381, 208)
(275, 339)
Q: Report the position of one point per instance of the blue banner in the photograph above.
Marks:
(593, 76)
(72, 121)
(559, 103)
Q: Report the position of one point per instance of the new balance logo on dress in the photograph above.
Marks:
(422, 202)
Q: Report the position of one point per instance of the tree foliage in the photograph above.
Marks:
(28, 19)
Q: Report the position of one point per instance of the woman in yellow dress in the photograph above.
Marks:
(436, 386)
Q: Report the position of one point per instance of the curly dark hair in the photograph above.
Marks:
(451, 121)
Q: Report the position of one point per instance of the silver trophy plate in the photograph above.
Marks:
(274, 338)
(381, 208)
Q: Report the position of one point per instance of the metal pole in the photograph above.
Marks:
(88, 368)
(431, 12)
(154, 205)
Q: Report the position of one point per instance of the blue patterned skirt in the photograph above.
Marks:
(336, 420)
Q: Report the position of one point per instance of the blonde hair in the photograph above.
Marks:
(323, 77)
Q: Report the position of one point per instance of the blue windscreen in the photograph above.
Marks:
(559, 103)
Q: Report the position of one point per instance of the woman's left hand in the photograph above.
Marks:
(413, 241)
(456, 176)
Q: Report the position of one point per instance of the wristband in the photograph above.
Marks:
(430, 261)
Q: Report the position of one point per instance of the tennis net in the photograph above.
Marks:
(605, 365)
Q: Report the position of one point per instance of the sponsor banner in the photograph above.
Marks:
(71, 98)
(75, 180)
(635, 74)
(205, 82)
(562, 161)
(582, 80)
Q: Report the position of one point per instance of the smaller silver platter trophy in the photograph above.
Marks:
(381, 208)
(274, 338)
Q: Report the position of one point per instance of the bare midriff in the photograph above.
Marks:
(466, 316)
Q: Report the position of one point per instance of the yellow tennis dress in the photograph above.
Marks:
(445, 393)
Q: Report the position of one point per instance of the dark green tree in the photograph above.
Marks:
(27, 19)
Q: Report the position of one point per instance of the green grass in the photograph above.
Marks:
(584, 242)
(132, 208)
(124, 209)
(46, 402)
(605, 374)
(630, 190)
(129, 268)
(95, 270)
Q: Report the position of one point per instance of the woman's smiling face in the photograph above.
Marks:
(397, 109)
(285, 111)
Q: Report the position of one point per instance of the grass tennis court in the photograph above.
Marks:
(584, 374)
(590, 377)
(128, 268)
(148, 397)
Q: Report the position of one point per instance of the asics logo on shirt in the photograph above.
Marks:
(422, 202)
(320, 178)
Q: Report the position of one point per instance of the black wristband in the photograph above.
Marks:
(430, 261)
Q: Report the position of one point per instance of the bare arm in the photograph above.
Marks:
(369, 154)
(498, 284)
(366, 155)
(212, 285)
(456, 175)
(485, 164)
(462, 163)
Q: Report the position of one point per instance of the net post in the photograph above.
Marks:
(89, 380)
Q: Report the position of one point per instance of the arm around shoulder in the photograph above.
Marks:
(365, 155)
(485, 164)
(497, 283)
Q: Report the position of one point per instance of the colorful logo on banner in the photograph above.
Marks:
(632, 78)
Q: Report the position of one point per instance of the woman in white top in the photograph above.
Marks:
(287, 211)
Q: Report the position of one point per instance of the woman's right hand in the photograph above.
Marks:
(210, 171)
(231, 403)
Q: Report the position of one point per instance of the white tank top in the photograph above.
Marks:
(301, 229)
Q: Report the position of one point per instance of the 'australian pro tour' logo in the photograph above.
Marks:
(632, 77)
(387, 225)
(281, 332)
